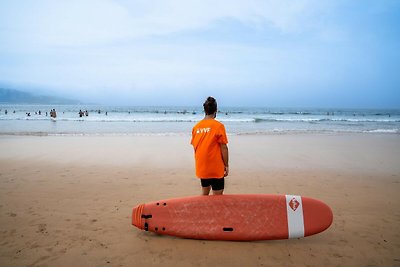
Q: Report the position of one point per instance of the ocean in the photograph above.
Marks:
(125, 120)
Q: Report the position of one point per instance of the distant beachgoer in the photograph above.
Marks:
(209, 141)
(86, 113)
(80, 113)
(6, 111)
(53, 114)
(106, 113)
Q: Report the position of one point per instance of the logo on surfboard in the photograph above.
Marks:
(294, 204)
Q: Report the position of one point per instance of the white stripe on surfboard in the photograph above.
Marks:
(295, 218)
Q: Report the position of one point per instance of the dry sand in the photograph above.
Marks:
(67, 201)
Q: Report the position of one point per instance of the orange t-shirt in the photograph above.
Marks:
(207, 137)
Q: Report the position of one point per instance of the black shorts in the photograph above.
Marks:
(215, 183)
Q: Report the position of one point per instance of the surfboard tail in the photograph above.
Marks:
(137, 216)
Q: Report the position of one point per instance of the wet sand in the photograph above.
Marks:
(67, 200)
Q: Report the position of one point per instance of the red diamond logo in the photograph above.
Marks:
(294, 204)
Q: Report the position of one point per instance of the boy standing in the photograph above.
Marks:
(209, 141)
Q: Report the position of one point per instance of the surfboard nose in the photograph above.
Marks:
(137, 216)
(317, 216)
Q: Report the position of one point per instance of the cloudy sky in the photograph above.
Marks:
(302, 53)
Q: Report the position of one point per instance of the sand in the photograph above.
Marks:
(67, 200)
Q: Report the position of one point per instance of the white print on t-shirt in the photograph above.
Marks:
(203, 130)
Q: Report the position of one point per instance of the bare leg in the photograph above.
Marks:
(218, 192)
(206, 190)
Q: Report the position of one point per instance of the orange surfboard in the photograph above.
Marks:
(234, 217)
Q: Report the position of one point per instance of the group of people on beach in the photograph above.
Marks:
(83, 113)
(53, 113)
(6, 111)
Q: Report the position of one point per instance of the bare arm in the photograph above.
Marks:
(225, 158)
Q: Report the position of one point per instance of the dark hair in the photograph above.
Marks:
(210, 105)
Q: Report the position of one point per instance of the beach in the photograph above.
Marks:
(67, 200)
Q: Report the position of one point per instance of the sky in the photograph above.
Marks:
(272, 53)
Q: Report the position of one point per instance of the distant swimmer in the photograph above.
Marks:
(53, 114)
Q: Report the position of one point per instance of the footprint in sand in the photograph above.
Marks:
(42, 228)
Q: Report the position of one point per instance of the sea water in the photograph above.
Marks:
(125, 120)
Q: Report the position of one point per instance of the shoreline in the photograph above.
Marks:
(180, 120)
(187, 133)
(261, 152)
(67, 200)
